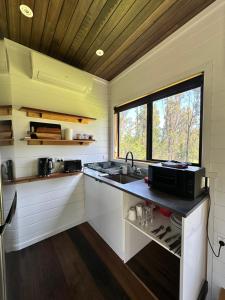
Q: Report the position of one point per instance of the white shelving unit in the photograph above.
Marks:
(159, 219)
(193, 244)
(107, 211)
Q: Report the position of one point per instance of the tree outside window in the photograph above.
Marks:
(133, 132)
(165, 125)
(176, 127)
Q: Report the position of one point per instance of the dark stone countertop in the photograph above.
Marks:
(140, 189)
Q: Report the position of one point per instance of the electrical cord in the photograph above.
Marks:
(221, 243)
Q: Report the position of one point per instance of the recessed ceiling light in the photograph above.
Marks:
(26, 11)
(100, 52)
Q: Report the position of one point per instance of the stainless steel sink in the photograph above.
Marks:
(122, 178)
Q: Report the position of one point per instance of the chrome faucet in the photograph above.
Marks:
(132, 158)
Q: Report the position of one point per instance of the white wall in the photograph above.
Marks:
(197, 46)
(48, 207)
(5, 93)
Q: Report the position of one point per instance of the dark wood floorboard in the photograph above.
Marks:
(82, 285)
(128, 280)
(158, 269)
(76, 264)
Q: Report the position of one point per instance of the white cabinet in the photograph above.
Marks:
(104, 212)
(92, 201)
(193, 245)
(194, 253)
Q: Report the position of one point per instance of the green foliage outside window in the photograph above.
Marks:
(175, 128)
(133, 132)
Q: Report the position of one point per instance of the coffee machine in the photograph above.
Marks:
(45, 166)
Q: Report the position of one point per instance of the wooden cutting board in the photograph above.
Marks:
(49, 136)
(5, 125)
(6, 135)
(48, 130)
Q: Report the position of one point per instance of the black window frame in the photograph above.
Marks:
(189, 84)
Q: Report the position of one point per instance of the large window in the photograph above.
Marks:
(165, 125)
(133, 131)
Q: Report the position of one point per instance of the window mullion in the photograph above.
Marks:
(149, 131)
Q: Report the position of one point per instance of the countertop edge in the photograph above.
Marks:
(28, 179)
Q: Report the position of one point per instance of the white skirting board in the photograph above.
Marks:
(39, 238)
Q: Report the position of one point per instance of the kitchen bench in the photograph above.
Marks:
(107, 203)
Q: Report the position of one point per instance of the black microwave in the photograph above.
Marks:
(188, 183)
(71, 166)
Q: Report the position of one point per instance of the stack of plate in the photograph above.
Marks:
(176, 221)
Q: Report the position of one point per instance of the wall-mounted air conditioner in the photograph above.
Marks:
(54, 72)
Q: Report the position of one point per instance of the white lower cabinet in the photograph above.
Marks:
(92, 202)
(104, 212)
(193, 245)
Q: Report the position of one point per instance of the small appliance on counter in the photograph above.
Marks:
(72, 166)
(45, 166)
(188, 182)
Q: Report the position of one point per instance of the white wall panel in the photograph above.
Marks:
(48, 207)
(197, 46)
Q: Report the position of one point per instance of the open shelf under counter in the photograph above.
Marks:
(159, 219)
(38, 178)
(57, 142)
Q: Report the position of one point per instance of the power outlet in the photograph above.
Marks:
(220, 238)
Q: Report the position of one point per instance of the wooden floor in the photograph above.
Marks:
(159, 270)
(76, 264)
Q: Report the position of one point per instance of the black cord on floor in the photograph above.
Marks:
(221, 243)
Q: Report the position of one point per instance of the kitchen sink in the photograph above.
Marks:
(122, 178)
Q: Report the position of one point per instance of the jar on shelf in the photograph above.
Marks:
(68, 133)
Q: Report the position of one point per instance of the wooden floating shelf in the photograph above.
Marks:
(37, 178)
(51, 115)
(5, 110)
(158, 220)
(57, 142)
(6, 142)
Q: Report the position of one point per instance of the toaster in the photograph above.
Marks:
(71, 166)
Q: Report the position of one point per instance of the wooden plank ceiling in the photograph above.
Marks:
(72, 30)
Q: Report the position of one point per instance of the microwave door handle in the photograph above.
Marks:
(10, 214)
